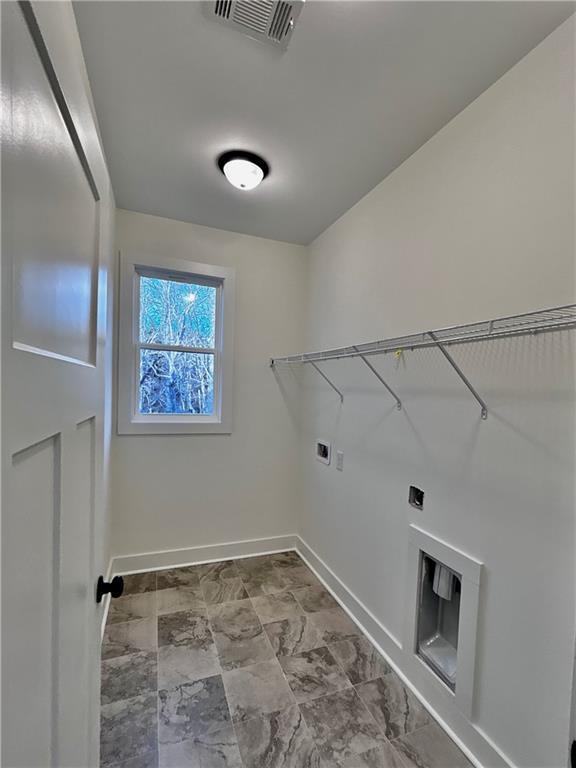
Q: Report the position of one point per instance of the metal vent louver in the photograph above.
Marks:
(270, 21)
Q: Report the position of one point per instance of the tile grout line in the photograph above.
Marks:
(416, 730)
(233, 723)
(157, 672)
(220, 674)
(338, 662)
(102, 661)
(387, 740)
(408, 733)
(296, 704)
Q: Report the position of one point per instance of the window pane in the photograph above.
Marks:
(177, 313)
(176, 382)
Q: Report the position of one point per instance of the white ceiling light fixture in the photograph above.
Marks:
(244, 170)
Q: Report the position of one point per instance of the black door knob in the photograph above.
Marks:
(114, 587)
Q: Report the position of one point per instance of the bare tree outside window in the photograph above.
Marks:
(177, 330)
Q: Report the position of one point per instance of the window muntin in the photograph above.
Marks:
(177, 354)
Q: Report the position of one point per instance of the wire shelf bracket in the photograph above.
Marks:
(379, 377)
(334, 387)
(559, 318)
(448, 356)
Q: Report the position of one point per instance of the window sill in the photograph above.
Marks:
(173, 426)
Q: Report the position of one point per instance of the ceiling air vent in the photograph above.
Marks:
(270, 21)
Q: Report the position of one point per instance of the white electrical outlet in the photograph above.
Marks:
(340, 460)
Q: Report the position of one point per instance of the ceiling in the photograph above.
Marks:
(360, 88)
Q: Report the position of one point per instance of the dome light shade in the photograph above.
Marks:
(244, 170)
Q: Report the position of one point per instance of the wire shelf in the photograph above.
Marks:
(529, 323)
(554, 319)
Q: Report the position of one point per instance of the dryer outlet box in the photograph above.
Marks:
(323, 451)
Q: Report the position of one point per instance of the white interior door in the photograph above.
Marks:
(52, 408)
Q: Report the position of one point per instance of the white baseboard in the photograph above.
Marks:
(172, 558)
(476, 745)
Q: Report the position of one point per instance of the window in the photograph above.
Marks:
(175, 347)
(177, 334)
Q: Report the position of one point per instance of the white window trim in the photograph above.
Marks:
(130, 422)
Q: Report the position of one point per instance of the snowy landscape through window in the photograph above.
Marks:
(177, 332)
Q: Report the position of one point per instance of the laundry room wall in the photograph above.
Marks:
(479, 223)
(180, 491)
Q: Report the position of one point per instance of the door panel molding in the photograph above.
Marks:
(36, 35)
(36, 491)
(48, 179)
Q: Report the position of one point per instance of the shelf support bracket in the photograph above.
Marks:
(380, 379)
(340, 395)
(448, 356)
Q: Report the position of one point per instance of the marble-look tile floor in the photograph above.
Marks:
(252, 664)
